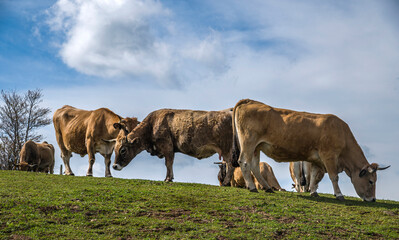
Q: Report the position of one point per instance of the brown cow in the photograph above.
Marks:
(88, 132)
(286, 136)
(199, 134)
(302, 174)
(238, 179)
(37, 157)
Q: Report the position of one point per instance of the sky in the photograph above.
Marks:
(137, 56)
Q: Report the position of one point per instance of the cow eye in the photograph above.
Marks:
(371, 182)
(122, 151)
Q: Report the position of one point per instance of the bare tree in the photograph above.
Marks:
(20, 116)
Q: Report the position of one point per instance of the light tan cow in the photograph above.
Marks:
(164, 132)
(302, 173)
(88, 132)
(238, 179)
(37, 157)
(286, 136)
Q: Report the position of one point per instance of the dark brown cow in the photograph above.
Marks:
(37, 157)
(88, 132)
(199, 134)
(290, 136)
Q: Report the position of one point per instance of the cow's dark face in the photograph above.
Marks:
(125, 151)
(222, 173)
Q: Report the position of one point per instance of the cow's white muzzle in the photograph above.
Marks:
(117, 167)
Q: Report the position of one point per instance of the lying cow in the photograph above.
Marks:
(286, 135)
(302, 174)
(37, 157)
(87, 132)
(199, 134)
(238, 179)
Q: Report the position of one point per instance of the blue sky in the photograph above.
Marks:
(134, 57)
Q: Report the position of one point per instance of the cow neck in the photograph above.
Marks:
(354, 160)
(142, 131)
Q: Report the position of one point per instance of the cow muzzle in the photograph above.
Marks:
(117, 167)
(369, 200)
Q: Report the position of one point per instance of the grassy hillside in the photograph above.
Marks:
(39, 206)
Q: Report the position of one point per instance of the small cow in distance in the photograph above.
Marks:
(88, 132)
(37, 157)
(303, 173)
(289, 136)
(199, 134)
(238, 179)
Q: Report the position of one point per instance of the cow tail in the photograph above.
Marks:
(303, 177)
(235, 147)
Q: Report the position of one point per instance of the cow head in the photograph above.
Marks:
(222, 173)
(24, 166)
(364, 181)
(126, 149)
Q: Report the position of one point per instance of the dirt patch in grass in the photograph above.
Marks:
(19, 237)
(265, 215)
(170, 214)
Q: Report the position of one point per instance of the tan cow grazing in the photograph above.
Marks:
(37, 157)
(289, 136)
(199, 134)
(238, 179)
(89, 132)
(302, 174)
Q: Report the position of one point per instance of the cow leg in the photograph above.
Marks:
(245, 163)
(298, 174)
(90, 152)
(107, 161)
(330, 164)
(66, 156)
(169, 167)
(307, 169)
(313, 185)
(229, 171)
(256, 171)
(317, 175)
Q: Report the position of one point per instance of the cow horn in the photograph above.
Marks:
(217, 163)
(109, 141)
(382, 167)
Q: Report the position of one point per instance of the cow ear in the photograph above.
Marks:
(363, 172)
(117, 126)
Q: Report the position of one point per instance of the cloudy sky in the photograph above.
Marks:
(136, 56)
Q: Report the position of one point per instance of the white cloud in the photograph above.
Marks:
(121, 38)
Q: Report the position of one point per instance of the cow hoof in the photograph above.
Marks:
(340, 198)
(69, 174)
(253, 190)
(269, 190)
(168, 180)
(109, 176)
(314, 194)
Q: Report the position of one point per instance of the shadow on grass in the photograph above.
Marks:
(351, 202)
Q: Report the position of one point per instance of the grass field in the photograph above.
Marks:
(40, 206)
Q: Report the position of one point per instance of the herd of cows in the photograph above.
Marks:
(314, 144)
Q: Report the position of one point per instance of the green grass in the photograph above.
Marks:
(40, 206)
